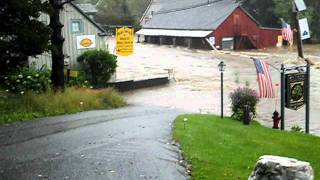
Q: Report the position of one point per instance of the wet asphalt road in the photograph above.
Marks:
(124, 144)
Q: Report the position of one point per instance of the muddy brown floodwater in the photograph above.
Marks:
(196, 83)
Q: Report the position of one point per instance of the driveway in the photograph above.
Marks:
(128, 143)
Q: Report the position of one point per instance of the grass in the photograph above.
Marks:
(31, 105)
(226, 149)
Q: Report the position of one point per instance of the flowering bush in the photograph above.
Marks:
(25, 79)
(241, 97)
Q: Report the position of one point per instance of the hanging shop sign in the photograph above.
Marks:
(124, 41)
(295, 90)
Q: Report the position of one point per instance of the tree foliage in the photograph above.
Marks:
(115, 12)
(21, 34)
(268, 13)
(98, 65)
(119, 12)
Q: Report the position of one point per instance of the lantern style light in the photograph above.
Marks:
(222, 66)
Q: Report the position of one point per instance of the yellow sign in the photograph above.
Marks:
(72, 73)
(124, 41)
(86, 42)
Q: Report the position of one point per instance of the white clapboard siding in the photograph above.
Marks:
(71, 52)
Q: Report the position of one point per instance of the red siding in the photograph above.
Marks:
(269, 37)
(240, 24)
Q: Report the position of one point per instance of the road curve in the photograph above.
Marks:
(124, 144)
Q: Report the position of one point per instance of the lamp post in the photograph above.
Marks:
(222, 67)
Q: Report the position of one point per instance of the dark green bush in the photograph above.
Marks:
(98, 65)
(25, 79)
(241, 97)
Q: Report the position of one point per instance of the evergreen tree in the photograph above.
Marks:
(21, 34)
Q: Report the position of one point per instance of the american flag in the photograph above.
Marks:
(287, 33)
(266, 89)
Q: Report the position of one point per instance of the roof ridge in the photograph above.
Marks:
(187, 7)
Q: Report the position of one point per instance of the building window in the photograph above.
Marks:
(76, 26)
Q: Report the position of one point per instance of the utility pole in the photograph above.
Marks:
(297, 26)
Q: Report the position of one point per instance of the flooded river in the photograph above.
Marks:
(196, 83)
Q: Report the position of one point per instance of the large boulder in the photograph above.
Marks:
(281, 168)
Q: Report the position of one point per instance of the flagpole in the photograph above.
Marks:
(276, 96)
(274, 67)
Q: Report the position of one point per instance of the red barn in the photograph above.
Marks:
(220, 24)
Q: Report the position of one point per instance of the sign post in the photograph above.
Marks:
(307, 96)
(295, 91)
(283, 91)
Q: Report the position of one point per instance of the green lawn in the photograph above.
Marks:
(226, 149)
(32, 105)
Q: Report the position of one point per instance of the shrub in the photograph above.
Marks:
(98, 65)
(241, 97)
(25, 79)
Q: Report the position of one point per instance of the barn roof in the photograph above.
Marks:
(191, 14)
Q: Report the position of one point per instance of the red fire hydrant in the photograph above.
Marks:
(276, 119)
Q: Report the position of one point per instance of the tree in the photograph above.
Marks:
(21, 34)
(314, 17)
(115, 12)
(57, 40)
(57, 76)
(263, 11)
(268, 13)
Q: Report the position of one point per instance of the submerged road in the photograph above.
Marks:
(124, 144)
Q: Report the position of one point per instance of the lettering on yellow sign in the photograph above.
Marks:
(124, 41)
